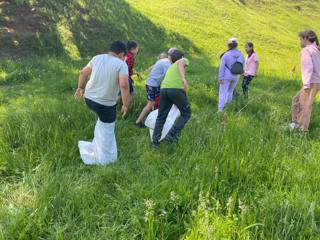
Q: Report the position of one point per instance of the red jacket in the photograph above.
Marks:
(129, 58)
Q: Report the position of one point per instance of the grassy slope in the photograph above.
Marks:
(46, 192)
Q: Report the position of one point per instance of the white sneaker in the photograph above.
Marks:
(293, 126)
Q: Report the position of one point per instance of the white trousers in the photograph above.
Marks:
(103, 149)
(226, 92)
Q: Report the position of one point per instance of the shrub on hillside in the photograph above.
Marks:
(17, 76)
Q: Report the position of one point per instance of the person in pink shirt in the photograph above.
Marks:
(250, 68)
(310, 69)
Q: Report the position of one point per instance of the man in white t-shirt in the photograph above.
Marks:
(108, 75)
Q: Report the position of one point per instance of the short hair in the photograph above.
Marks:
(176, 55)
(131, 44)
(118, 47)
(309, 35)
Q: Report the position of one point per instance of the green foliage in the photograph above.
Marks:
(20, 2)
(10, 75)
(211, 223)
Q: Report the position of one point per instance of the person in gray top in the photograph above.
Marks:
(108, 74)
(153, 83)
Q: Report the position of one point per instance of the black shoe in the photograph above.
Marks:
(140, 125)
(171, 139)
(155, 146)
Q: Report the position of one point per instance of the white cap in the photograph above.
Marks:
(232, 40)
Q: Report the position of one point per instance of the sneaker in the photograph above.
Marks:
(154, 145)
(171, 139)
(140, 125)
(293, 126)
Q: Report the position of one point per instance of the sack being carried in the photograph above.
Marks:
(103, 148)
(171, 118)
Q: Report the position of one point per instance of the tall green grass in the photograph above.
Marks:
(237, 175)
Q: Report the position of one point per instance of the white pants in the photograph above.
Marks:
(226, 92)
(103, 149)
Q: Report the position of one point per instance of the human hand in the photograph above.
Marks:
(124, 111)
(78, 94)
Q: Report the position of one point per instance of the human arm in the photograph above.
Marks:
(182, 72)
(306, 68)
(222, 69)
(257, 67)
(125, 94)
(83, 78)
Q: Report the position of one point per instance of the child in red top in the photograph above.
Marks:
(133, 49)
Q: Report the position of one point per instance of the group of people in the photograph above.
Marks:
(166, 85)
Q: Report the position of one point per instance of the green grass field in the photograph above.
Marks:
(238, 175)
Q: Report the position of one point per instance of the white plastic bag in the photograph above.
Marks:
(103, 149)
(152, 118)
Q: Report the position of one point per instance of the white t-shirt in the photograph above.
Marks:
(103, 86)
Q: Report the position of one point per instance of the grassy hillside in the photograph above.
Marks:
(238, 175)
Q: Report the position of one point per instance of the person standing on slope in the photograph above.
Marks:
(108, 74)
(310, 69)
(250, 69)
(231, 68)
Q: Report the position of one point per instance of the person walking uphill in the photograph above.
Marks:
(133, 49)
(153, 83)
(108, 73)
(310, 69)
(231, 68)
(173, 91)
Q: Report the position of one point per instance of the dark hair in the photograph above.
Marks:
(223, 54)
(250, 44)
(176, 55)
(233, 45)
(132, 45)
(118, 47)
(309, 35)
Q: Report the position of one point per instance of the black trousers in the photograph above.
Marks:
(106, 114)
(245, 84)
(168, 97)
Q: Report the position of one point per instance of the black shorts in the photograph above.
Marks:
(131, 89)
(106, 114)
(152, 93)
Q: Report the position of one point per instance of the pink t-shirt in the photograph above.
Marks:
(310, 65)
(251, 65)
